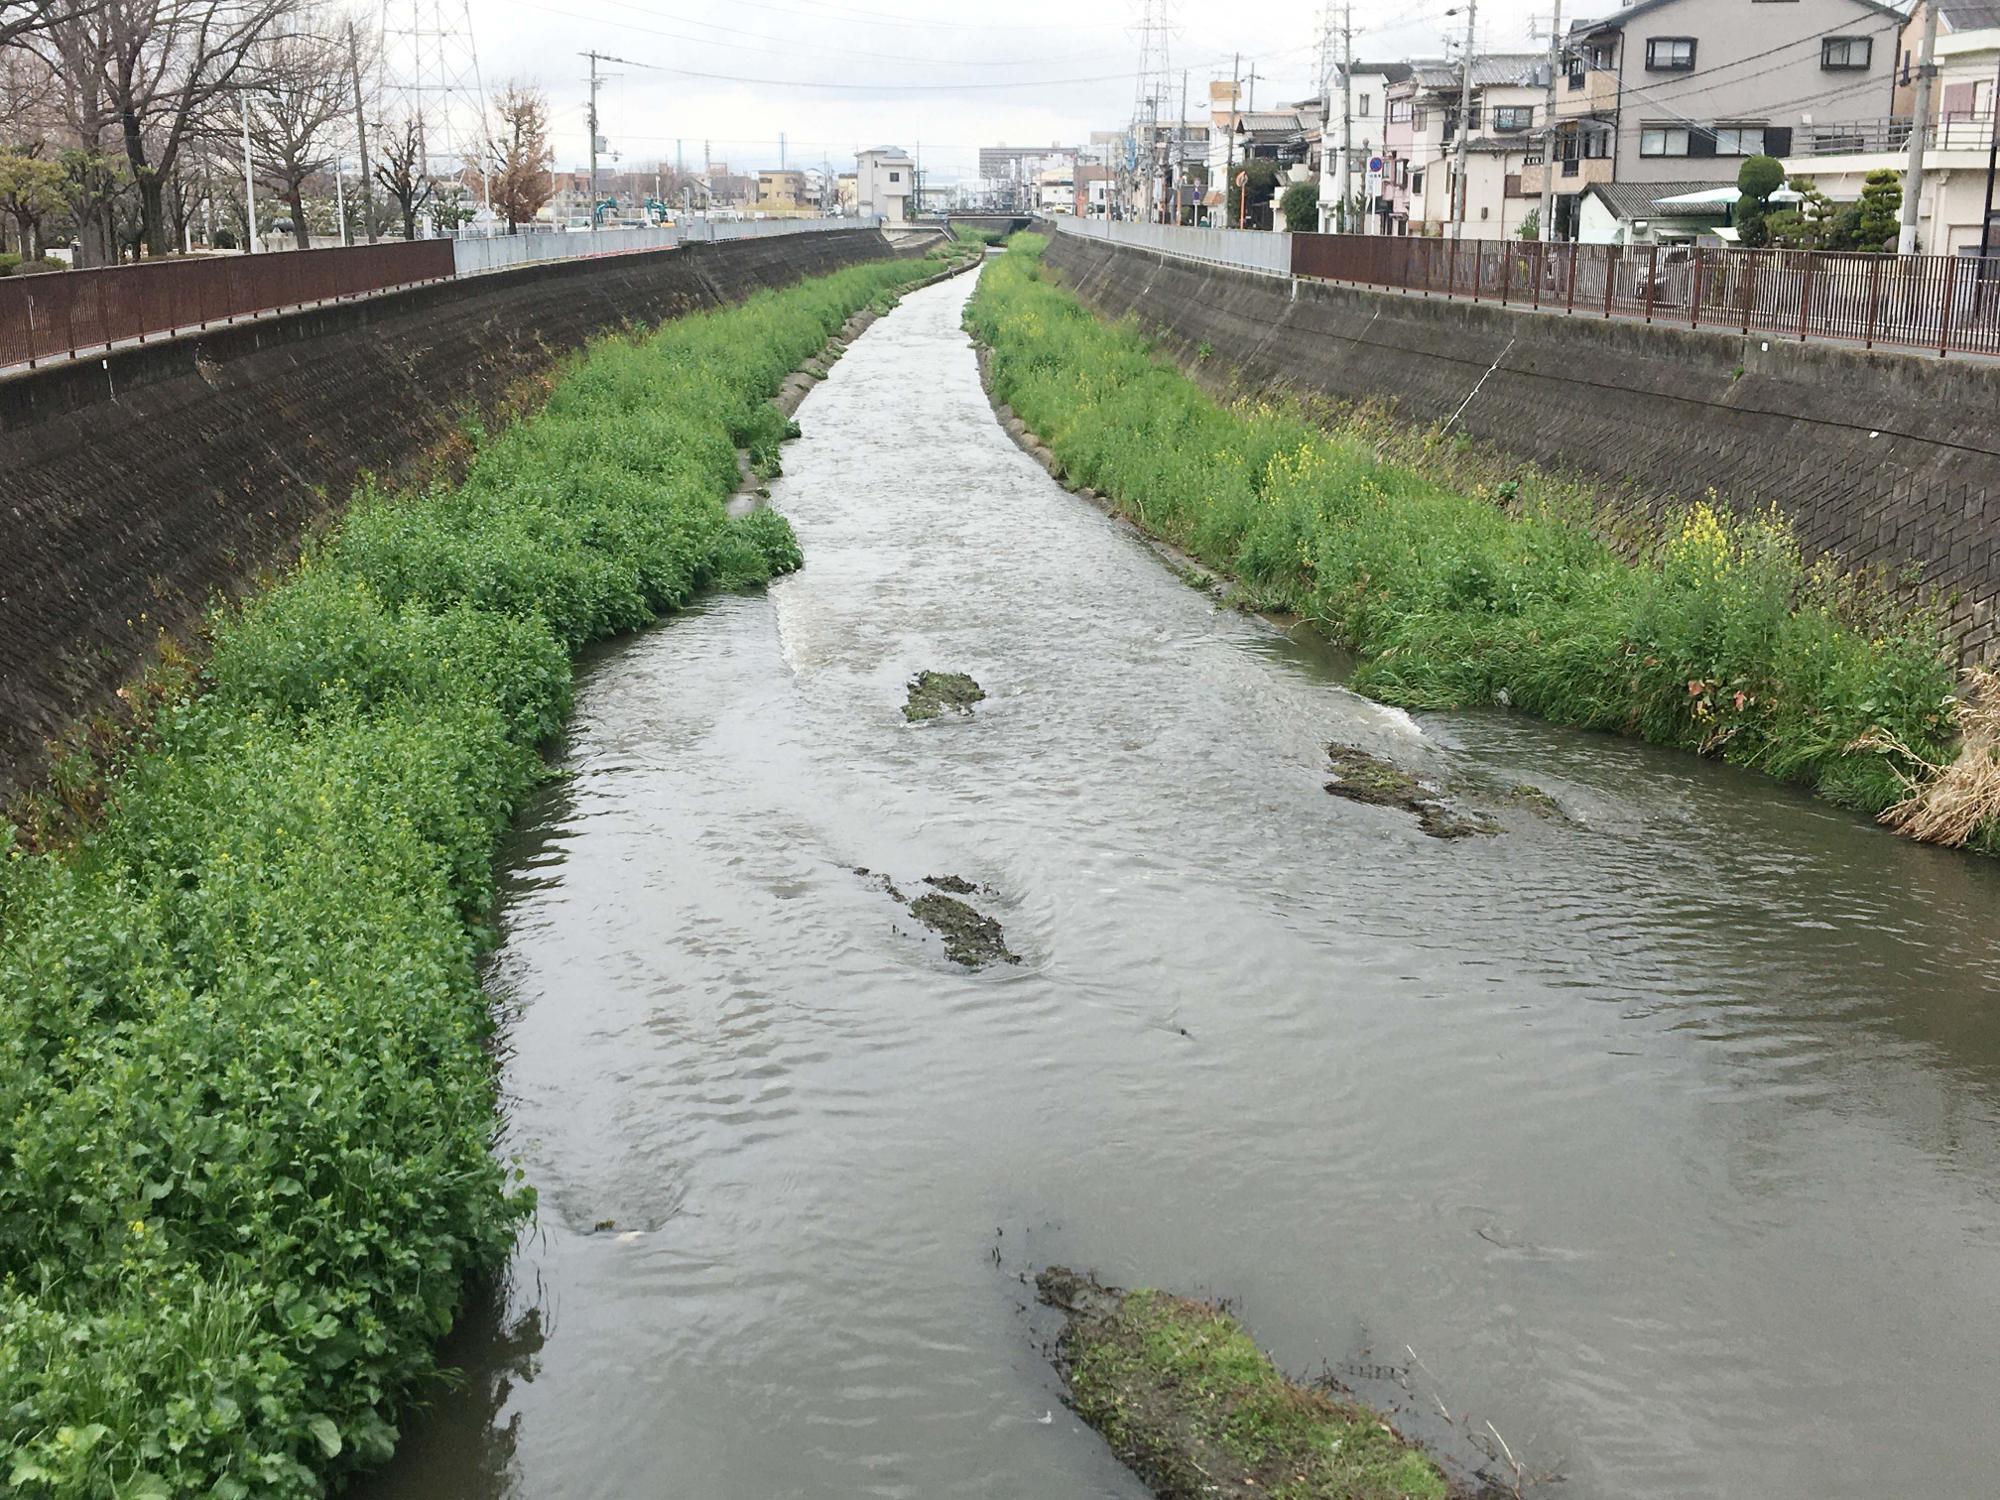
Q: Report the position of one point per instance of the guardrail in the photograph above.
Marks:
(60, 314)
(1941, 302)
(1248, 249)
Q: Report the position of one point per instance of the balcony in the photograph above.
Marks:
(1958, 131)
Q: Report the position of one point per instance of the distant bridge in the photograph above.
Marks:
(997, 223)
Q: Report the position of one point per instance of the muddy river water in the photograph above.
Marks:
(1663, 1135)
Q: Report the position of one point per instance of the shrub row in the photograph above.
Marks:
(247, 1102)
(1719, 638)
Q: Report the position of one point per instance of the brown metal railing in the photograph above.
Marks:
(71, 312)
(1940, 302)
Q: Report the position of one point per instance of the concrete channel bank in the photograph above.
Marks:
(1881, 459)
(135, 487)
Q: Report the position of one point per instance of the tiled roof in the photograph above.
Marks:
(1637, 200)
(1497, 68)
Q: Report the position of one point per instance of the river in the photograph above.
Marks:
(1661, 1135)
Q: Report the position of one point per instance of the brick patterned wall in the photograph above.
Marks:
(133, 489)
(1879, 458)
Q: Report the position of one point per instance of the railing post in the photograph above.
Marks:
(1451, 272)
(1652, 280)
(1805, 291)
(1570, 307)
(1610, 276)
(1541, 270)
(1694, 295)
(1950, 264)
(1506, 270)
(1749, 286)
(1874, 297)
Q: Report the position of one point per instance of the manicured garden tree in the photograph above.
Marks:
(1300, 206)
(1756, 180)
(1881, 209)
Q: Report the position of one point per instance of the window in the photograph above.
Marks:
(895, 176)
(1838, 53)
(1669, 54)
(1739, 140)
(1597, 145)
(1663, 141)
(1402, 173)
(1417, 180)
(1364, 106)
(1513, 116)
(1573, 66)
(1399, 111)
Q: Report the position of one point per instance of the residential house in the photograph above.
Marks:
(885, 179)
(1092, 196)
(1357, 109)
(846, 191)
(1639, 213)
(780, 191)
(1284, 136)
(1838, 156)
(1682, 90)
(1508, 94)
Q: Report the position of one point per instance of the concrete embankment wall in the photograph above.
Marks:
(1880, 459)
(135, 487)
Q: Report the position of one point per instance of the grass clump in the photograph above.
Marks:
(1718, 638)
(248, 1102)
(1186, 1398)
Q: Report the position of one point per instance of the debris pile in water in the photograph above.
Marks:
(931, 693)
(1362, 777)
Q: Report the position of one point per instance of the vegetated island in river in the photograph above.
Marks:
(243, 1043)
(1186, 1398)
(1705, 629)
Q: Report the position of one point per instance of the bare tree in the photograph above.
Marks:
(399, 167)
(20, 17)
(156, 66)
(295, 110)
(522, 156)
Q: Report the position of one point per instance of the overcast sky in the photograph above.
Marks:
(834, 75)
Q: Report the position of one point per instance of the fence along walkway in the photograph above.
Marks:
(1939, 302)
(60, 314)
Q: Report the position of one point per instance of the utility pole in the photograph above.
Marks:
(1346, 114)
(249, 179)
(593, 140)
(361, 133)
(1548, 225)
(781, 151)
(1229, 170)
(340, 198)
(1464, 124)
(1920, 128)
(1983, 268)
(1251, 107)
(1180, 155)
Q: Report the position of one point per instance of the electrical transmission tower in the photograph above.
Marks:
(1153, 88)
(430, 72)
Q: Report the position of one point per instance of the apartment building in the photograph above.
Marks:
(780, 191)
(1682, 90)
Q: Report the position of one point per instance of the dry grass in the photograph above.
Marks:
(1950, 804)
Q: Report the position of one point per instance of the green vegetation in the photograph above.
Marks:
(1718, 638)
(970, 235)
(1300, 206)
(243, 1062)
(1756, 180)
(1185, 1396)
